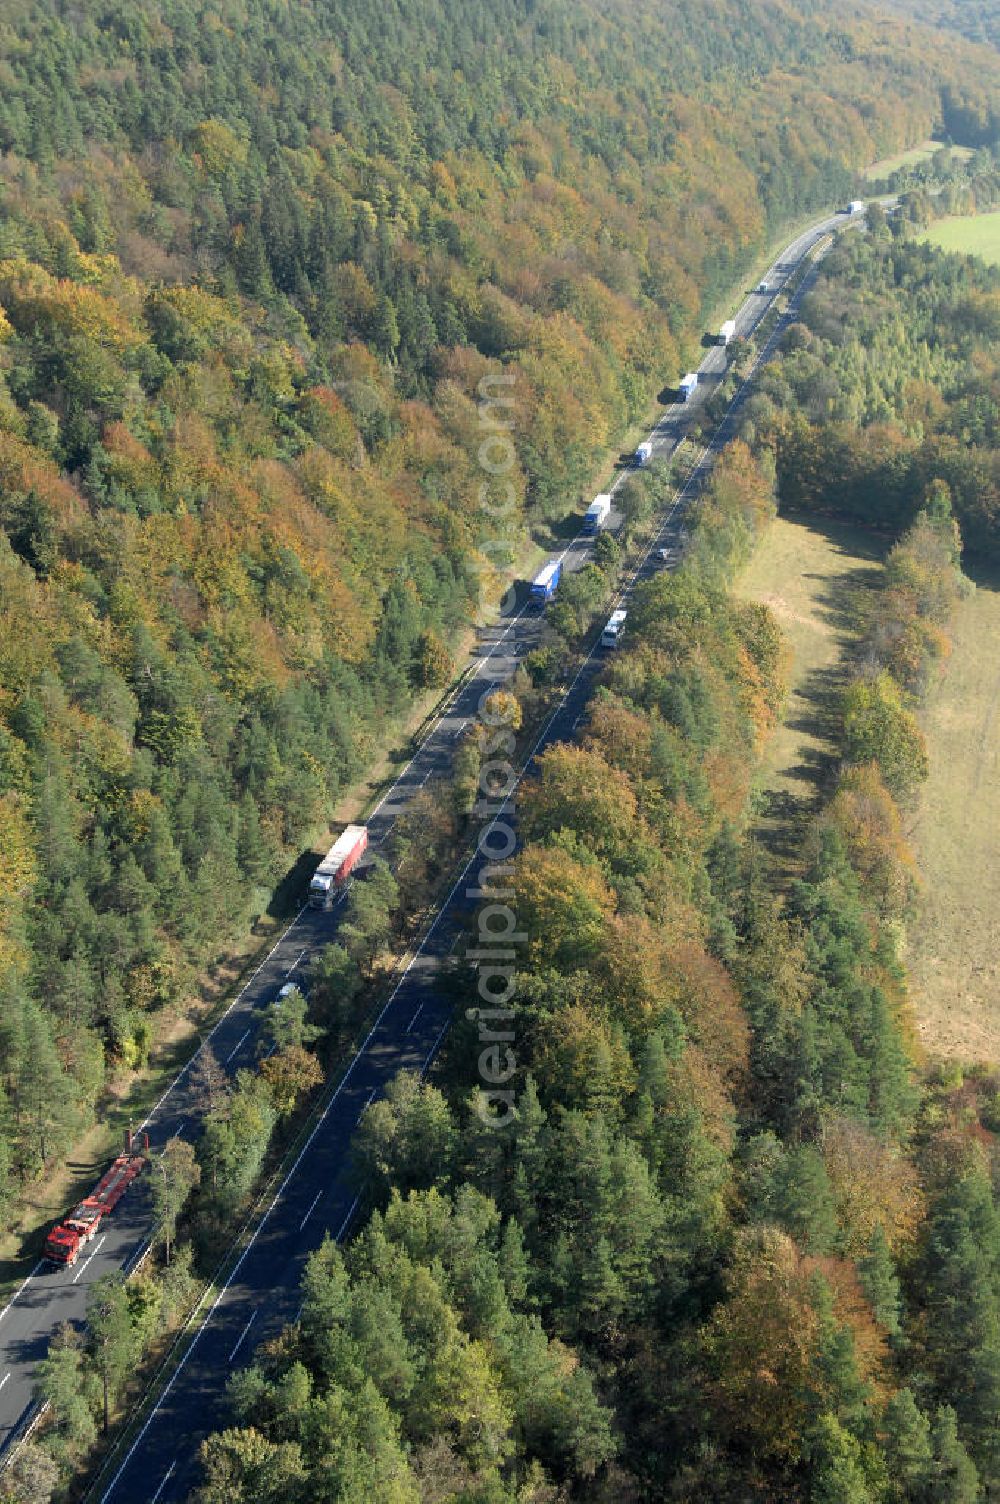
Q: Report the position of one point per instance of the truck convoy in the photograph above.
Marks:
(727, 332)
(597, 514)
(336, 866)
(543, 586)
(644, 454)
(64, 1242)
(687, 385)
(613, 629)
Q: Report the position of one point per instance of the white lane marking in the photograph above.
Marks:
(166, 1480)
(434, 1047)
(409, 1027)
(23, 1286)
(327, 1109)
(298, 961)
(346, 1223)
(368, 1103)
(97, 1248)
(312, 1208)
(236, 1046)
(179, 1129)
(239, 1339)
(4, 1380)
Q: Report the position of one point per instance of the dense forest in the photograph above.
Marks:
(738, 1243)
(254, 261)
(975, 19)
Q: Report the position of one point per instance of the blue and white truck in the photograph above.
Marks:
(644, 453)
(687, 385)
(543, 586)
(597, 514)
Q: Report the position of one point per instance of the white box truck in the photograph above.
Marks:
(727, 332)
(613, 629)
(687, 385)
(644, 453)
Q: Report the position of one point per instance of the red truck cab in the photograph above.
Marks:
(63, 1244)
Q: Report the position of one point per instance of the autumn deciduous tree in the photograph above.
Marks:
(869, 820)
(290, 1074)
(878, 728)
(562, 905)
(577, 790)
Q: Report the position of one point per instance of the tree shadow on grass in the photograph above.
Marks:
(817, 701)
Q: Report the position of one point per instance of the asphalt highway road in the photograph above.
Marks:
(318, 1194)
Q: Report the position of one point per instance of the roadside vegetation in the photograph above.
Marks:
(252, 278)
(762, 1224)
(729, 1194)
(248, 293)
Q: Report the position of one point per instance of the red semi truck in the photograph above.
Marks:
(64, 1242)
(335, 868)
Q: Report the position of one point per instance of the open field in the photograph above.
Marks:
(955, 943)
(808, 572)
(922, 153)
(975, 234)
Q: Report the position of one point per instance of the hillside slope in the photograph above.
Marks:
(254, 261)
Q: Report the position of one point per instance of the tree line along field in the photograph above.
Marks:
(808, 574)
(801, 572)
(975, 235)
(914, 156)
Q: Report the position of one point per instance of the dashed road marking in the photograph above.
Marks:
(97, 1248)
(166, 1479)
(239, 1340)
(236, 1046)
(312, 1208)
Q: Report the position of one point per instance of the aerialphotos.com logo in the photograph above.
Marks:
(495, 954)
